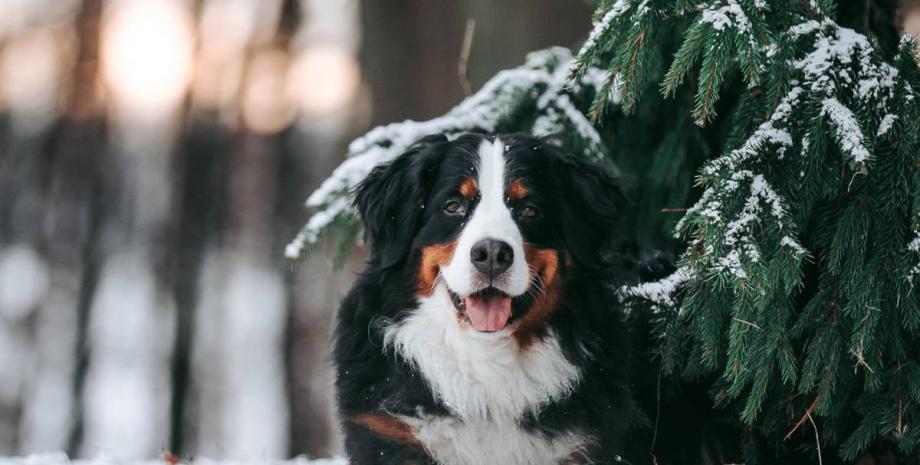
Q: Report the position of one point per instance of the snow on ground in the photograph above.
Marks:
(62, 459)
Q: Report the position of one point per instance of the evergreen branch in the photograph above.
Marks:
(599, 39)
(716, 61)
(685, 58)
(630, 77)
(540, 88)
(798, 424)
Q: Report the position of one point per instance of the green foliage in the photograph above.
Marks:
(802, 250)
(536, 98)
(800, 233)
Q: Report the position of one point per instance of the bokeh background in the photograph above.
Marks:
(154, 159)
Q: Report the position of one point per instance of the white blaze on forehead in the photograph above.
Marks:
(491, 219)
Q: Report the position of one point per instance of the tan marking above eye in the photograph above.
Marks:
(388, 427)
(517, 190)
(469, 188)
(433, 257)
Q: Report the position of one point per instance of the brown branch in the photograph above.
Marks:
(468, 35)
(798, 424)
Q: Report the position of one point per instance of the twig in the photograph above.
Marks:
(798, 424)
(465, 55)
(753, 325)
(657, 416)
(817, 438)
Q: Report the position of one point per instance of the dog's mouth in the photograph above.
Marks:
(487, 310)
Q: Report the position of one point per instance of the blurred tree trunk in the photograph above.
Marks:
(59, 216)
(520, 27)
(168, 319)
(409, 54)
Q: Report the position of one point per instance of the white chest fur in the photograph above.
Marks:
(452, 441)
(480, 376)
(489, 383)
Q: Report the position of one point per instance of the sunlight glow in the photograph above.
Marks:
(147, 54)
(32, 65)
(266, 108)
(324, 79)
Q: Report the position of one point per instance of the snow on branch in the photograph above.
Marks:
(601, 28)
(839, 78)
(728, 172)
(886, 124)
(541, 85)
(848, 133)
(602, 36)
(659, 293)
(913, 249)
(827, 66)
(728, 15)
(766, 133)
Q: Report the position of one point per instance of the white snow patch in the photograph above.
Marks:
(543, 79)
(319, 221)
(641, 10)
(766, 133)
(732, 263)
(886, 124)
(837, 47)
(791, 243)
(914, 245)
(130, 333)
(601, 27)
(237, 359)
(807, 27)
(729, 15)
(849, 134)
(23, 281)
(659, 292)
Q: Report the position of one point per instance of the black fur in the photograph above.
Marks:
(579, 203)
(391, 199)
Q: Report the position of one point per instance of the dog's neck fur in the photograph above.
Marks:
(480, 376)
(489, 384)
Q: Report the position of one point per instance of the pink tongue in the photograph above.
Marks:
(488, 313)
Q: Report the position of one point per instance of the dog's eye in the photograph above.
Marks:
(453, 207)
(529, 211)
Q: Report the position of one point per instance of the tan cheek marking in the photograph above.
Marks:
(545, 263)
(469, 188)
(517, 190)
(576, 458)
(433, 257)
(388, 427)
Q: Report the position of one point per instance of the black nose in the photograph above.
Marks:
(492, 257)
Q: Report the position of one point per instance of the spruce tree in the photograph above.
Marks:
(775, 146)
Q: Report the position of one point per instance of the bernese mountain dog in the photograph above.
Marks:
(486, 328)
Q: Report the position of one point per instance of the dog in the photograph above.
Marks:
(486, 328)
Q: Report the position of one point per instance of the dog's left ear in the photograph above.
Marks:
(391, 199)
(592, 199)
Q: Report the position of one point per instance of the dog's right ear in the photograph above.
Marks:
(391, 199)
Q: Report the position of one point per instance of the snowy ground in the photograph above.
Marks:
(62, 459)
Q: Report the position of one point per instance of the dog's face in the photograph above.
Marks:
(497, 221)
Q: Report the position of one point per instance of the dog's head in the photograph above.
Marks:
(498, 221)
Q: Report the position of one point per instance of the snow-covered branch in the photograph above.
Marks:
(540, 87)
